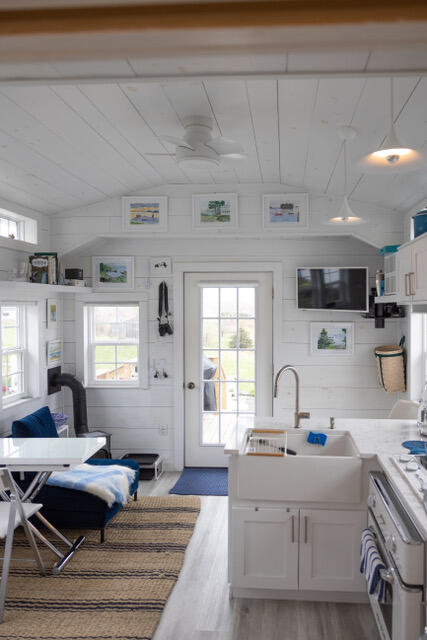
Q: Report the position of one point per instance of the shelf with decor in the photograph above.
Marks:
(35, 287)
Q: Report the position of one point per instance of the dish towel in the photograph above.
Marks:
(370, 565)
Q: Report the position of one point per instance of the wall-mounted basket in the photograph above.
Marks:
(391, 367)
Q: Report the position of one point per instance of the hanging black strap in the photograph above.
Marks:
(163, 318)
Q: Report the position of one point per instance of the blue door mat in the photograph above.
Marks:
(202, 481)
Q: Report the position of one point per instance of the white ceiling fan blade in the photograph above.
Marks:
(226, 147)
(179, 142)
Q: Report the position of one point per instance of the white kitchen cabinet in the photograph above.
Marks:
(404, 268)
(412, 271)
(264, 551)
(329, 555)
(296, 549)
(419, 269)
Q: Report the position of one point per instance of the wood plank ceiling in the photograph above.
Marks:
(66, 145)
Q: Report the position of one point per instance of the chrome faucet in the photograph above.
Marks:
(298, 414)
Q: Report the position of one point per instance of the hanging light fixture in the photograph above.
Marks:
(392, 154)
(345, 214)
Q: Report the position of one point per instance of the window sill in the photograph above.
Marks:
(18, 401)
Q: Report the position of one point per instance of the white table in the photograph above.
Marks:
(43, 456)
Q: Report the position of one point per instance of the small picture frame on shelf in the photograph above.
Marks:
(114, 273)
(145, 214)
(53, 353)
(52, 313)
(215, 211)
(331, 338)
(285, 211)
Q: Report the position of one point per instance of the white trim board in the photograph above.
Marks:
(180, 268)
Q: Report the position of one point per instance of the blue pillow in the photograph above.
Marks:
(39, 424)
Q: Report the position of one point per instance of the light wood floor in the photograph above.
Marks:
(199, 607)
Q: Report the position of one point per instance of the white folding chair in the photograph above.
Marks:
(14, 513)
(404, 410)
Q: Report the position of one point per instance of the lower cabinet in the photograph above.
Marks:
(306, 549)
(264, 550)
(329, 557)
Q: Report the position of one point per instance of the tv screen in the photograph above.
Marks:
(335, 288)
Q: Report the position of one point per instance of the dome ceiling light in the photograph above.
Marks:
(345, 215)
(392, 154)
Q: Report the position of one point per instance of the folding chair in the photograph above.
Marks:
(14, 513)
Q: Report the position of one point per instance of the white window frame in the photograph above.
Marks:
(26, 227)
(29, 349)
(84, 345)
(21, 350)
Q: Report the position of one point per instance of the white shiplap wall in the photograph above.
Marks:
(339, 386)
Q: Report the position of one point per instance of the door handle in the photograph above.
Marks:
(305, 529)
(191, 385)
(293, 529)
(407, 292)
(411, 292)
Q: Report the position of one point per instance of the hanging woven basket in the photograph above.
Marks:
(391, 367)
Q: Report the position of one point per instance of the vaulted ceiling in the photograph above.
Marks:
(69, 144)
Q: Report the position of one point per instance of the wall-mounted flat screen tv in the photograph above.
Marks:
(333, 288)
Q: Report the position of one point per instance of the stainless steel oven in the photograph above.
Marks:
(402, 549)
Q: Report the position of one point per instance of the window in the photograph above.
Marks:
(17, 227)
(10, 228)
(13, 352)
(113, 344)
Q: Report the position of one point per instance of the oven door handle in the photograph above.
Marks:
(388, 575)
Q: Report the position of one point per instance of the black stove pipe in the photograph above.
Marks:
(79, 400)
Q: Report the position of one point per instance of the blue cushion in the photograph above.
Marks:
(39, 424)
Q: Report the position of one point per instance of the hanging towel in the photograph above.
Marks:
(370, 565)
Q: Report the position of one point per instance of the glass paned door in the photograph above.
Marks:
(228, 353)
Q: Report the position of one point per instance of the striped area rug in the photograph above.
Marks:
(111, 591)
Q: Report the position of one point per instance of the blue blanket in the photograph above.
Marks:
(110, 483)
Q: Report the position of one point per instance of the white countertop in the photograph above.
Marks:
(42, 453)
(380, 439)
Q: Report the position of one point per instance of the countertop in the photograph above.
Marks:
(380, 439)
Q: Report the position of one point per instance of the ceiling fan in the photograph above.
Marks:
(198, 147)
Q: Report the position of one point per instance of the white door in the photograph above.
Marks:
(419, 270)
(264, 548)
(228, 359)
(403, 268)
(330, 550)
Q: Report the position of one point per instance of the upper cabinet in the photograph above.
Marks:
(412, 271)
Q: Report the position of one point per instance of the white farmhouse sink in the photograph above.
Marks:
(337, 444)
(329, 474)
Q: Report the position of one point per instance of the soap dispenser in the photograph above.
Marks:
(422, 413)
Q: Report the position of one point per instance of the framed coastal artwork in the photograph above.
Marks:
(53, 353)
(145, 214)
(52, 314)
(113, 272)
(215, 211)
(331, 338)
(285, 211)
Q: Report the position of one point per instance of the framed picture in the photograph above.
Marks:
(53, 353)
(113, 272)
(215, 210)
(52, 314)
(331, 338)
(285, 211)
(145, 214)
(160, 266)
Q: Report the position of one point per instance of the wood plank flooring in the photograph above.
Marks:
(199, 607)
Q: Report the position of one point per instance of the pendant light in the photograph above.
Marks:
(392, 154)
(345, 215)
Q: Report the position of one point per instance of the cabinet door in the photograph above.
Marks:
(403, 269)
(329, 550)
(419, 270)
(264, 548)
